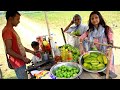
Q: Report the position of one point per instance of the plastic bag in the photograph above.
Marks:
(43, 74)
(73, 40)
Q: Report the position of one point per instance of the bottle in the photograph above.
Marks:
(70, 57)
(52, 43)
(55, 46)
(45, 56)
(63, 56)
(66, 55)
(57, 54)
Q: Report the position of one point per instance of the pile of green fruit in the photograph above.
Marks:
(66, 71)
(75, 51)
(76, 32)
(94, 61)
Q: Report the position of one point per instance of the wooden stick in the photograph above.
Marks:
(100, 43)
(108, 65)
(63, 35)
(50, 38)
(47, 24)
(105, 44)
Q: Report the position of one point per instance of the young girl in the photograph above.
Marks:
(98, 32)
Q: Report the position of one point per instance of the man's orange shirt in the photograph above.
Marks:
(17, 47)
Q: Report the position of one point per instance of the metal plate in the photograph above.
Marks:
(56, 66)
(81, 60)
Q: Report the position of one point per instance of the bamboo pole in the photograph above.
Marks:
(100, 43)
(108, 65)
(47, 24)
(105, 44)
(49, 35)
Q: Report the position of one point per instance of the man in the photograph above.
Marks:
(81, 28)
(13, 46)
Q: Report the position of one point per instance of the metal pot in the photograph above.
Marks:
(81, 61)
(56, 66)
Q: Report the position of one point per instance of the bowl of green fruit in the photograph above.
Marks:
(66, 70)
(93, 61)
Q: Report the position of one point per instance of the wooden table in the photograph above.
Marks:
(84, 75)
(88, 75)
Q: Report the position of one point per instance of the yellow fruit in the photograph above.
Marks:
(86, 55)
(66, 50)
(45, 43)
(100, 59)
(93, 55)
(105, 60)
(100, 66)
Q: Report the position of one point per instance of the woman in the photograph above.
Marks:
(98, 32)
(79, 27)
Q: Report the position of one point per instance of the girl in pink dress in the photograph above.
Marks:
(98, 32)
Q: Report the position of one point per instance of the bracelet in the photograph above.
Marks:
(80, 42)
(107, 49)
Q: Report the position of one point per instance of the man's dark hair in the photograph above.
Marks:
(34, 44)
(11, 13)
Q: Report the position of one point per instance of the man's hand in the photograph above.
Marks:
(39, 52)
(26, 60)
(30, 51)
(33, 52)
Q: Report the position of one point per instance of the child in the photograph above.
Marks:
(38, 56)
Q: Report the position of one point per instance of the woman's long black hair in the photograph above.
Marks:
(102, 22)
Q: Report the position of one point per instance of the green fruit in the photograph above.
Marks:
(93, 55)
(100, 66)
(69, 68)
(100, 58)
(66, 71)
(73, 33)
(86, 55)
(94, 64)
(94, 48)
(76, 57)
(94, 61)
(86, 65)
(68, 76)
(77, 32)
(87, 60)
(74, 75)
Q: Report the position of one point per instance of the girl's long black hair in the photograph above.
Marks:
(102, 22)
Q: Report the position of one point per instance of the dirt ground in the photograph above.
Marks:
(29, 30)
